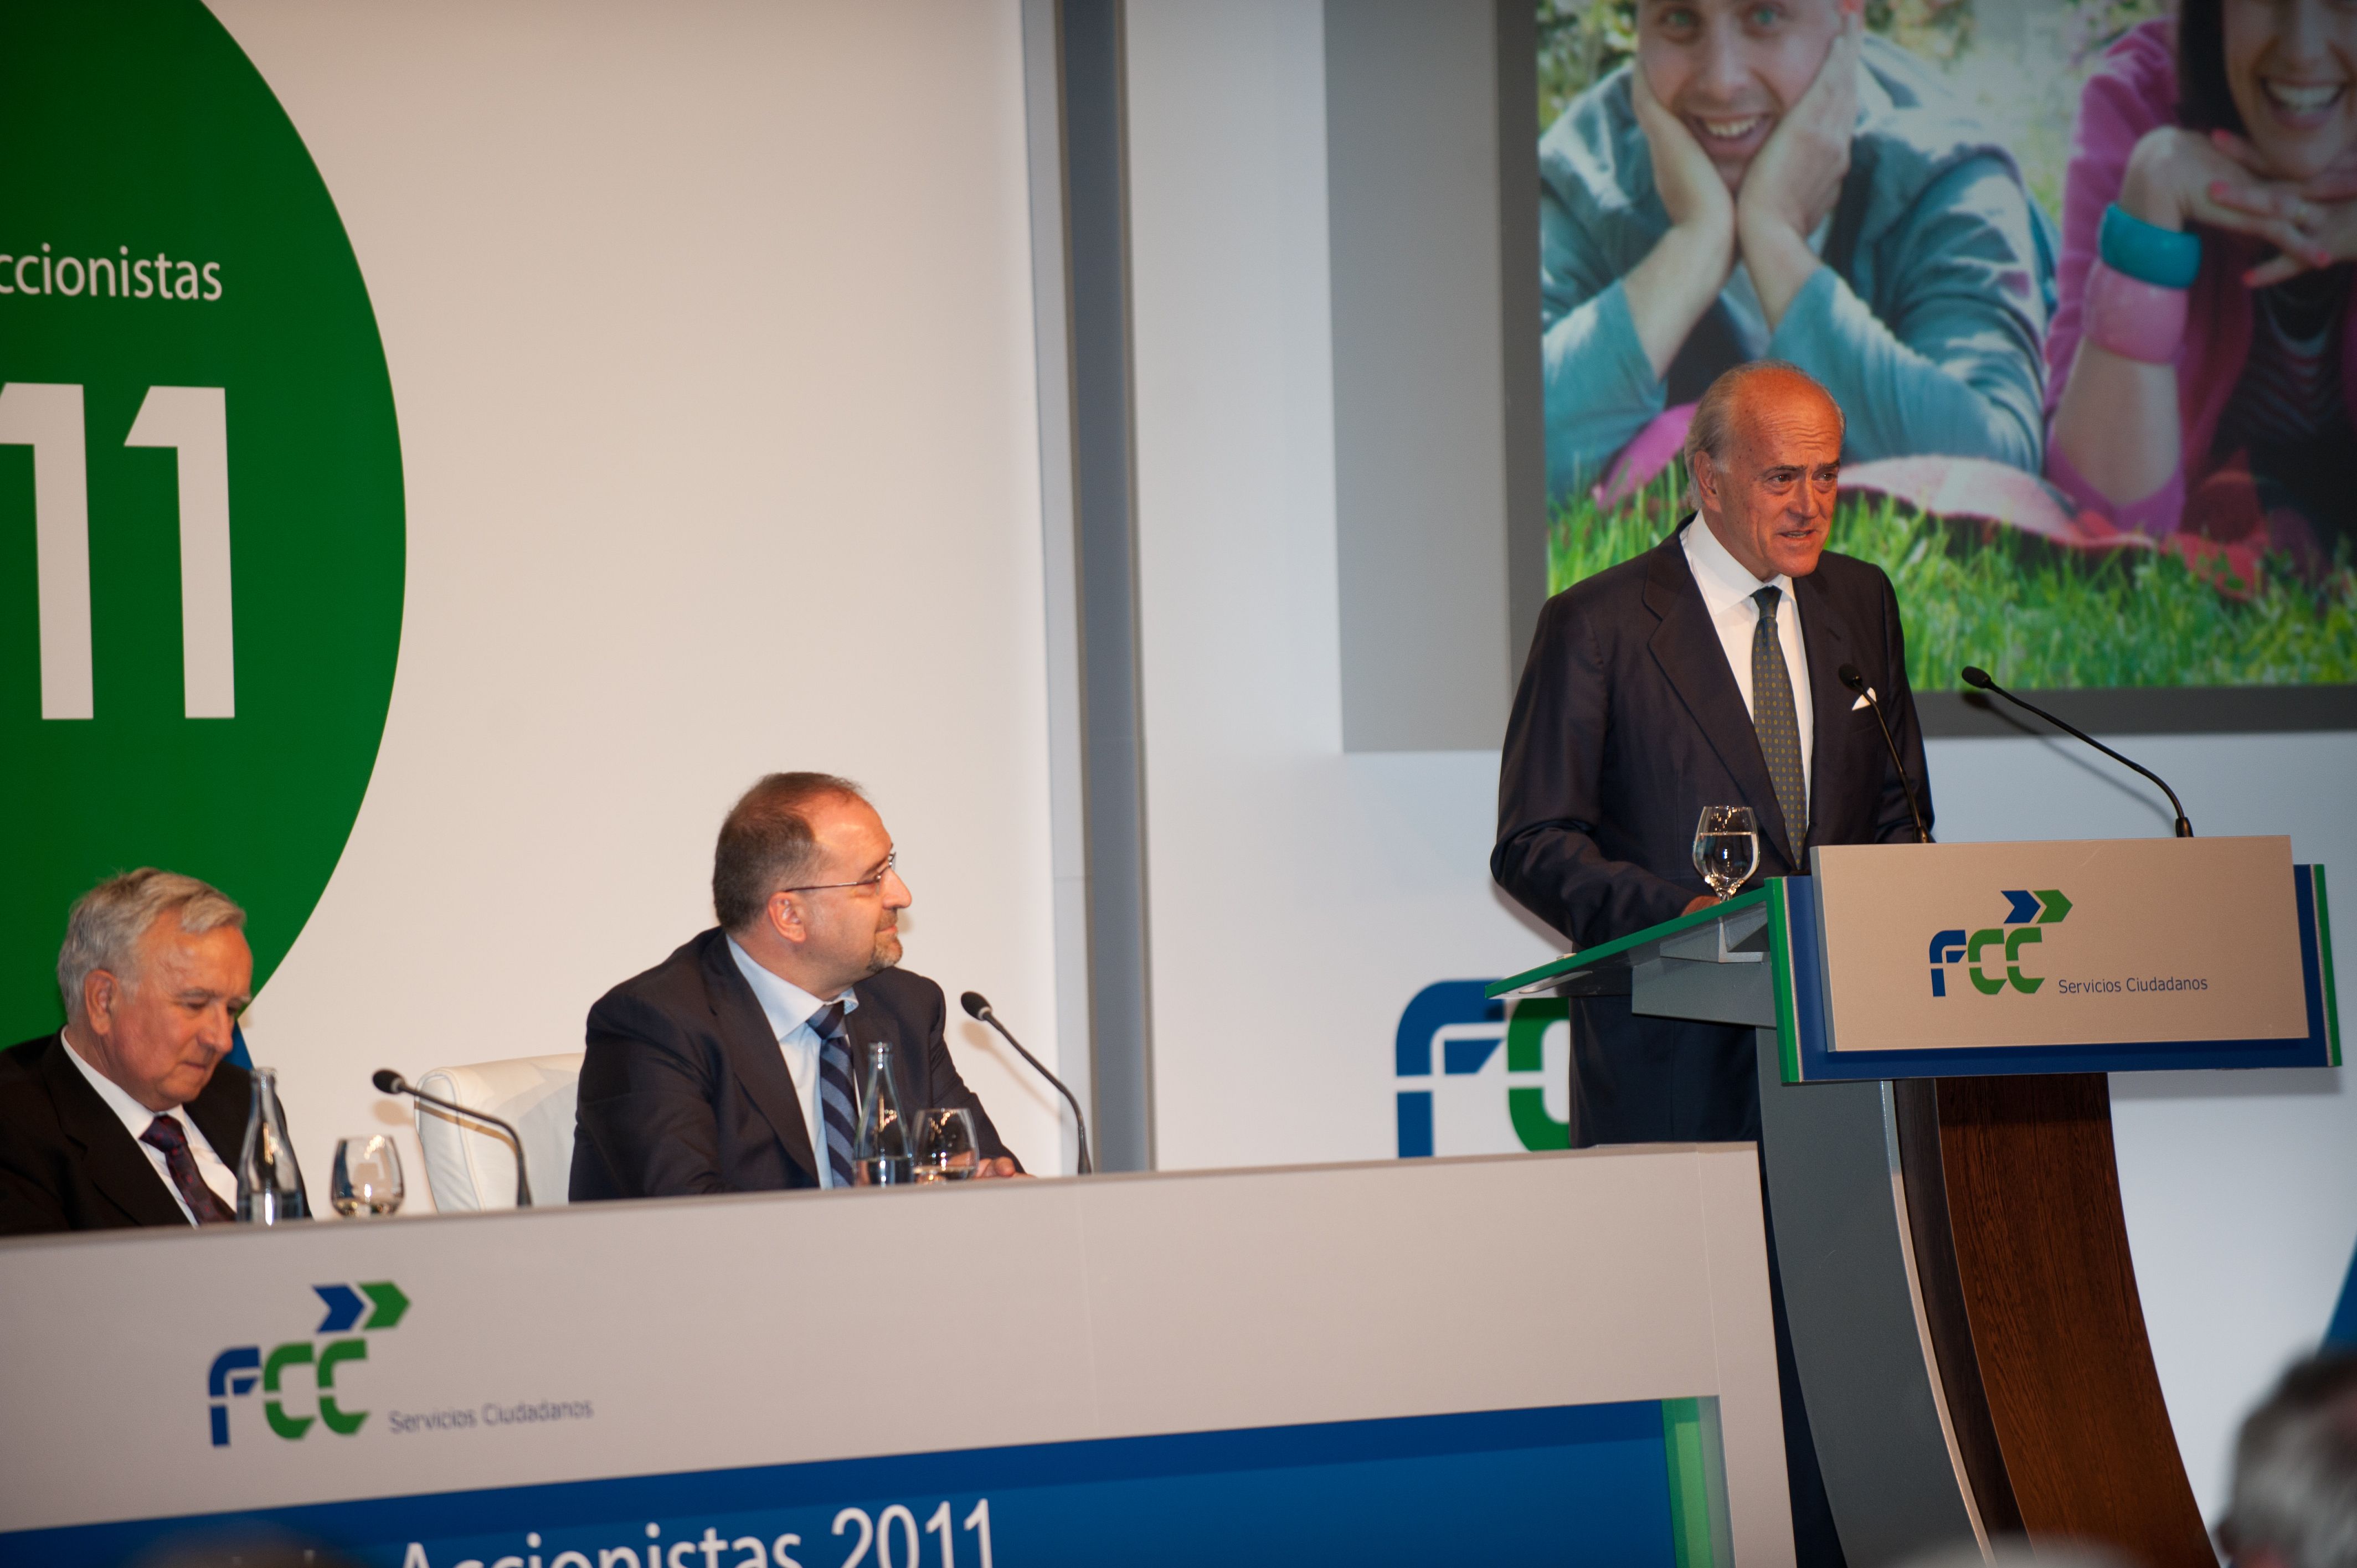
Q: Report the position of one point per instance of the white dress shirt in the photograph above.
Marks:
(790, 1008)
(137, 1118)
(1726, 589)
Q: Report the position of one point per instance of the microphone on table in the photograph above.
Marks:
(1849, 676)
(978, 1006)
(388, 1081)
(1978, 677)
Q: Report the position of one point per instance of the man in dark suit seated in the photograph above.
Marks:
(1704, 674)
(737, 1064)
(129, 1115)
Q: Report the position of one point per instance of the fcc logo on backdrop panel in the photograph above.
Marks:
(1475, 1076)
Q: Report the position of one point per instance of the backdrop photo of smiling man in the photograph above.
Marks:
(1764, 180)
(1704, 673)
(737, 1064)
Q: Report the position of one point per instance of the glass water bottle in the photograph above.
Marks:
(269, 1186)
(880, 1154)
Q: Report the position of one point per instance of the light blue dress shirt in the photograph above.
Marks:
(790, 1008)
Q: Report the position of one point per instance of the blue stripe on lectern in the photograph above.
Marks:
(1566, 1483)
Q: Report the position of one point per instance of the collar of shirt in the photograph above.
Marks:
(1725, 581)
(790, 1008)
(211, 1169)
(137, 1118)
(786, 1005)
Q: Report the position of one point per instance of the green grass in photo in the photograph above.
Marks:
(2038, 617)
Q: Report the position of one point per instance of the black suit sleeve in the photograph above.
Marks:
(646, 1098)
(1893, 822)
(947, 1089)
(1551, 794)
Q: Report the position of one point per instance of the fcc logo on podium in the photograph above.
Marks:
(1458, 1093)
(237, 1371)
(1999, 946)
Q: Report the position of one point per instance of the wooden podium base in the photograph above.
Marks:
(2030, 1297)
(1964, 1318)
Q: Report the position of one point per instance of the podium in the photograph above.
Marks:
(1934, 1025)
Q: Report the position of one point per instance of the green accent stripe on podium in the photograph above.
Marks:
(1780, 962)
(2324, 964)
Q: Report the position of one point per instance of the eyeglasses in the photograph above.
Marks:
(876, 880)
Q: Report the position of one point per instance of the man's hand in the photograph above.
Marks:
(1704, 902)
(1684, 176)
(1001, 1166)
(2313, 222)
(1669, 289)
(1797, 178)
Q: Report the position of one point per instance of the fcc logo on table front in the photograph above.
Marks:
(237, 1371)
(1999, 946)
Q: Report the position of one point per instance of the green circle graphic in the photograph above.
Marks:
(142, 143)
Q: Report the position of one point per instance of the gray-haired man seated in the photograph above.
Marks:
(129, 1115)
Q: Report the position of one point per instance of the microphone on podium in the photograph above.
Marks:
(1978, 677)
(978, 1006)
(388, 1081)
(1850, 677)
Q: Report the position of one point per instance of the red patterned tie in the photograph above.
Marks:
(164, 1133)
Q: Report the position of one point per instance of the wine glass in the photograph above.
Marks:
(946, 1150)
(1726, 847)
(368, 1177)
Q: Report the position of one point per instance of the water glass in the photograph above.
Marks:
(368, 1177)
(1726, 847)
(946, 1149)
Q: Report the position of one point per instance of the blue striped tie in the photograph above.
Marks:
(835, 1095)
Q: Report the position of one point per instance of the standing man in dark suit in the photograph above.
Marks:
(129, 1115)
(737, 1064)
(1704, 674)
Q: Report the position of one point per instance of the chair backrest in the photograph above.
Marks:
(470, 1165)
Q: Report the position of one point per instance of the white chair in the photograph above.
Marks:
(471, 1167)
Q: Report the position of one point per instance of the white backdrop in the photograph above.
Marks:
(1301, 895)
(710, 330)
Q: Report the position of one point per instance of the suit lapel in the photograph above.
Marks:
(754, 1054)
(1687, 648)
(111, 1156)
(1827, 648)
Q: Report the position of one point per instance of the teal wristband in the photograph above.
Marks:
(2166, 258)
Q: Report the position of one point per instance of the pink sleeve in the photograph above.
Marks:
(2132, 93)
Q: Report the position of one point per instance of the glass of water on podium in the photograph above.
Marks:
(1726, 847)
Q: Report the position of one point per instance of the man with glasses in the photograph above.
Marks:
(736, 1064)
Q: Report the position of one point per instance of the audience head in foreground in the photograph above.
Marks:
(130, 1114)
(737, 1064)
(2295, 1502)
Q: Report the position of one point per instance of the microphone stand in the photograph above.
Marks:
(390, 1082)
(976, 1007)
(1980, 680)
(1849, 676)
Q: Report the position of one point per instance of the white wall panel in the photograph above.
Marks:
(710, 334)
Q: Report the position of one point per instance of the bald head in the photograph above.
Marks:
(1764, 455)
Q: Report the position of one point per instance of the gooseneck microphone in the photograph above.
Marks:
(1978, 677)
(388, 1081)
(1849, 677)
(978, 1006)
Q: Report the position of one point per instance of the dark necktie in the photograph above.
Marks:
(836, 1099)
(1773, 717)
(164, 1133)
